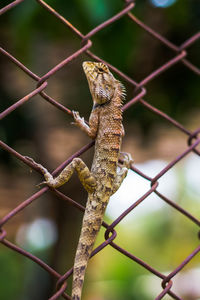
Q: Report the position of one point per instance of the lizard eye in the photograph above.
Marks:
(101, 70)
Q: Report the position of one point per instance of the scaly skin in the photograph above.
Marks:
(105, 125)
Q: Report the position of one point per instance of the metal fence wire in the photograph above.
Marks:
(192, 139)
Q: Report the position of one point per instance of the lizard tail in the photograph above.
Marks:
(91, 225)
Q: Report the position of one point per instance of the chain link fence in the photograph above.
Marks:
(191, 137)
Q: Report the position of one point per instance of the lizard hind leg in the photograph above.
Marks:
(86, 177)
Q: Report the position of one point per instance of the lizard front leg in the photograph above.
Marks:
(123, 170)
(91, 129)
(86, 177)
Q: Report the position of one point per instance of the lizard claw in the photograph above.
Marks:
(38, 166)
(78, 120)
(41, 183)
(30, 159)
(75, 114)
(127, 159)
(41, 168)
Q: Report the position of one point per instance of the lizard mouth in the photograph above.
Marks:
(101, 81)
(88, 67)
(86, 64)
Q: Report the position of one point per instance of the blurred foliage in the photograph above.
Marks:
(151, 239)
(12, 268)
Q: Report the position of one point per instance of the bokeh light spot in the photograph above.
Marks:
(162, 3)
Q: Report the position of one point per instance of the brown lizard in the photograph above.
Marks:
(106, 175)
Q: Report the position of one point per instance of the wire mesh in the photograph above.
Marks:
(180, 56)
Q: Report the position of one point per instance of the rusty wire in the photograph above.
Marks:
(180, 55)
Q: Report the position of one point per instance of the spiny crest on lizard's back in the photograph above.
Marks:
(101, 82)
(123, 91)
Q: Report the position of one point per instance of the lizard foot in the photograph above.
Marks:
(78, 120)
(44, 171)
(127, 159)
(40, 167)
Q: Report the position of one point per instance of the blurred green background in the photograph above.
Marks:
(49, 227)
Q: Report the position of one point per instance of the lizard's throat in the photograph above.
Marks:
(96, 104)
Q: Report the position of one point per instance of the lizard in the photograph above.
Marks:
(106, 175)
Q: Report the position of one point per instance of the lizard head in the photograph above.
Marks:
(101, 82)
